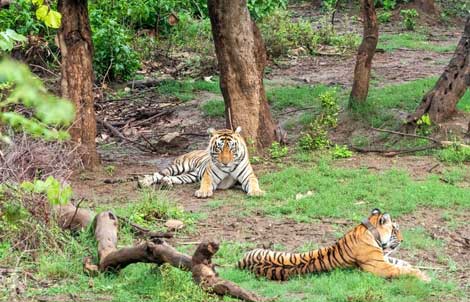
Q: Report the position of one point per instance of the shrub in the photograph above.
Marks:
(277, 150)
(386, 4)
(409, 18)
(384, 17)
(341, 152)
(21, 16)
(317, 135)
(114, 56)
(455, 154)
(263, 8)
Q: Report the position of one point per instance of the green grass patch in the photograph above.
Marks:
(391, 42)
(301, 96)
(361, 190)
(213, 108)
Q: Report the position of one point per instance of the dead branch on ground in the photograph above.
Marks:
(159, 252)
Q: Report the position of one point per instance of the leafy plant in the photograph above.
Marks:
(56, 193)
(45, 13)
(114, 56)
(8, 39)
(277, 150)
(384, 17)
(263, 8)
(456, 153)
(21, 16)
(50, 112)
(341, 152)
(317, 135)
(386, 4)
(409, 18)
(110, 169)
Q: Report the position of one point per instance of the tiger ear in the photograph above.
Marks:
(238, 130)
(211, 131)
(384, 218)
(375, 211)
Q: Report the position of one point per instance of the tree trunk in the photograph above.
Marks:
(440, 103)
(77, 75)
(242, 57)
(427, 6)
(365, 53)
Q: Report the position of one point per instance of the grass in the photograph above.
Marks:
(301, 96)
(394, 191)
(391, 42)
(185, 90)
(213, 108)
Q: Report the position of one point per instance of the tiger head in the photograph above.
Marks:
(389, 231)
(227, 148)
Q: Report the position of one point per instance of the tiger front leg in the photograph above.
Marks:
(388, 270)
(206, 189)
(253, 188)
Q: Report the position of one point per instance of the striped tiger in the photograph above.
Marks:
(221, 166)
(361, 247)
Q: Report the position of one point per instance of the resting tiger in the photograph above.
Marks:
(221, 166)
(361, 247)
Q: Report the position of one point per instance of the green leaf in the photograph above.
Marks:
(37, 2)
(53, 19)
(42, 12)
(27, 186)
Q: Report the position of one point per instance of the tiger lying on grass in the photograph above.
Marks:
(361, 247)
(221, 166)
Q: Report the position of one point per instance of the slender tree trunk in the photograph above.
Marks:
(440, 103)
(77, 75)
(427, 6)
(241, 57)
(365, 53)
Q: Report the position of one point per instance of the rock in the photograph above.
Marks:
(173, 139)
(173, 224)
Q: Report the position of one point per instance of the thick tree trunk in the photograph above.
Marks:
(440, 103)
(427, 6)
(77, 75)
(365, 53)
(242, 57)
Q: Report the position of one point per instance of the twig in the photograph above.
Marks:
(122, 137)
(334, 12)
(408, 134)
(164, 112)
(433, 167)
(107, 71)
(75, 213)
(296, 110)
(44, 69)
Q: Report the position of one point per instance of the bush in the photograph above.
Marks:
(317, 135)
(21, 16)
(263, 8)
(384, 17)
(114, 56)
(278, 151)
(409, 18)
(455, 154)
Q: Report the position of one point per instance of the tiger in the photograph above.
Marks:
(223, 164)
(362, 247)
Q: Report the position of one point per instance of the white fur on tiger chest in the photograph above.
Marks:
(227, 182)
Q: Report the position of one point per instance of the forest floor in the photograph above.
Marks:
(428, 196)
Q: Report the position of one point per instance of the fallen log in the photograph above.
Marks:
(157, 251)
(70, 217)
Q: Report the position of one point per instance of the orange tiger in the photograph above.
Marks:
(361, 247)
(224, 163)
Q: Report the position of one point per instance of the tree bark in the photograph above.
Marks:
(365, 53)
(427, 6)
(77, 75)
(241, 58)
(440, 103)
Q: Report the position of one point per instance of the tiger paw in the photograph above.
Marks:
(256, 193)
(146, 181)
(203, 194)
(424, 277)
(166, 182)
